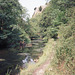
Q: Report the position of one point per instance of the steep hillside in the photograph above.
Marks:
(58, 21)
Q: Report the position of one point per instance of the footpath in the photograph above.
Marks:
(42, 68)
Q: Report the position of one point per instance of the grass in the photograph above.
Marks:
(46, 53)
(64, 67)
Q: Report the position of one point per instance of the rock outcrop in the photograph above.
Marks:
(38, 10)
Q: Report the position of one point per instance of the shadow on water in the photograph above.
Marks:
(12, 60)
(9, 60)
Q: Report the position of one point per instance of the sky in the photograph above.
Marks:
(31, 4)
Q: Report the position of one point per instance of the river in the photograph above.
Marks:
(11, 61)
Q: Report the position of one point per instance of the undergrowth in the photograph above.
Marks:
(46, 53)
(64, 60)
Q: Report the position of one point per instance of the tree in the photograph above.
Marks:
(11, 22)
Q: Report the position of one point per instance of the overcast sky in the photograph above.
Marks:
(31, 4)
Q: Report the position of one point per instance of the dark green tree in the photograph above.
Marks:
(11, 22)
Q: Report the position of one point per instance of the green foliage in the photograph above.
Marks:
(66, 43)
(34, 22)
(58, 21)
(47, 54)
(51, 19)
(54, 16)
(12, 23)
(65, 50)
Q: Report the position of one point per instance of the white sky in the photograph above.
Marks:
(31, 4)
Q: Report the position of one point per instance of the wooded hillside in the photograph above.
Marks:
(58, 21)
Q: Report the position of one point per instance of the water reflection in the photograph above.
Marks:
(13, 58)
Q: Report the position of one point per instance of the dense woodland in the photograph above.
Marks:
(14, 24)
(57, 21)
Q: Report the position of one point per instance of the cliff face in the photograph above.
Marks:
(38, 10)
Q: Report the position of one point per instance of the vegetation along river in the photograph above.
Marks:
(11, 60)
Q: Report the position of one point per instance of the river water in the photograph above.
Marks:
(12, 61)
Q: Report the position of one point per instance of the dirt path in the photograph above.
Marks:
(41, 69)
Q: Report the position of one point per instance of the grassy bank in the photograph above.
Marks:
(64, 60)
(46, 53)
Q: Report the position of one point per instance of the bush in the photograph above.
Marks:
(40, 8)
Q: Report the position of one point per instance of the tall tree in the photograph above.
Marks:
(11, 20)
